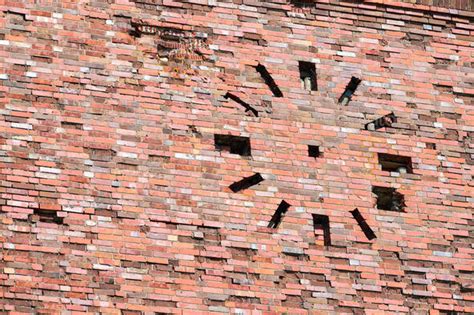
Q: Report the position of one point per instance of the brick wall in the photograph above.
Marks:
(114, 190)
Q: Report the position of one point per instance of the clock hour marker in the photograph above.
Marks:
(389, 199)
(395, 163)
(246, 182)
(321, 222)
(233, 144)
(239, 101)
(384, 121)
(363, 224)
(349, 91)
(278, 215)
(267, 77)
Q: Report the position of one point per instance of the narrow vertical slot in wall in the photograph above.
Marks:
(308, 76)
(278, 215)
(369, 233)
(267, 77)
(321, 222)
(349, 91)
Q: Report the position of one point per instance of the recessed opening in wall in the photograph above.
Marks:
(395, 163)
(321, 222)
(349, 91)
(278, 215)
(246, 182)
(48, 216)
(369, 233)
(313, 151)
(389, 199)
(303, 3)
(308, 76)
(233, 144)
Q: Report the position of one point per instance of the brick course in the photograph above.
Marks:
(115, 200)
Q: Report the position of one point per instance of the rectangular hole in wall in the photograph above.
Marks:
(233, 144)
(395, 163)
(278, 215)
(321, 222)
(246, 182)
(267, 77)
(349, 91)
(369, 233)
(389, 199)
(308, 76)
(48, 216)
(382, 122)
(239, 101)
(313, 151)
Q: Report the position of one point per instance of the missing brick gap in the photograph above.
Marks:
(313, 151)
(47, 216)
(321, 222)
(233, 144)
(349, 91)
(389, 199)
(239, 101)
(308, 77)
(382, 122)
(246, 182)
(369, 233)
(267, 77)
(278, 215)
(395, 163)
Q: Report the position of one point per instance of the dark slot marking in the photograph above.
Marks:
(321, 222)
(267, 77)
(389, 199)
(246, 182)
(233, 144)
(308, 76)
(384, 121)
(278, 215)
(313, 151)
(363, 224)
(48, 216)
(239, 101)
(349, 91)
(395, 163)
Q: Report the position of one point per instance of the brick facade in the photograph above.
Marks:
(122, 190)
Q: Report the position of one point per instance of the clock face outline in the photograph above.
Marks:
(320, 222)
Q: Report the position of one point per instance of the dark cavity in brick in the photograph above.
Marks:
(239, 101)
(303, 3)
(395, 163)
(389, 199)
(321, 222)
(233, 144)
(308, 76)
(269, 80)
(278, 215)
(349, 91)
(313, 151)
(48, 216)
(246, 182)
(382, 122)
(369, 233)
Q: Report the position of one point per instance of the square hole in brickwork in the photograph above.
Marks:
(233, 144)
(313, 151)
(389, 199)
(308, 76)
(395, 163)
